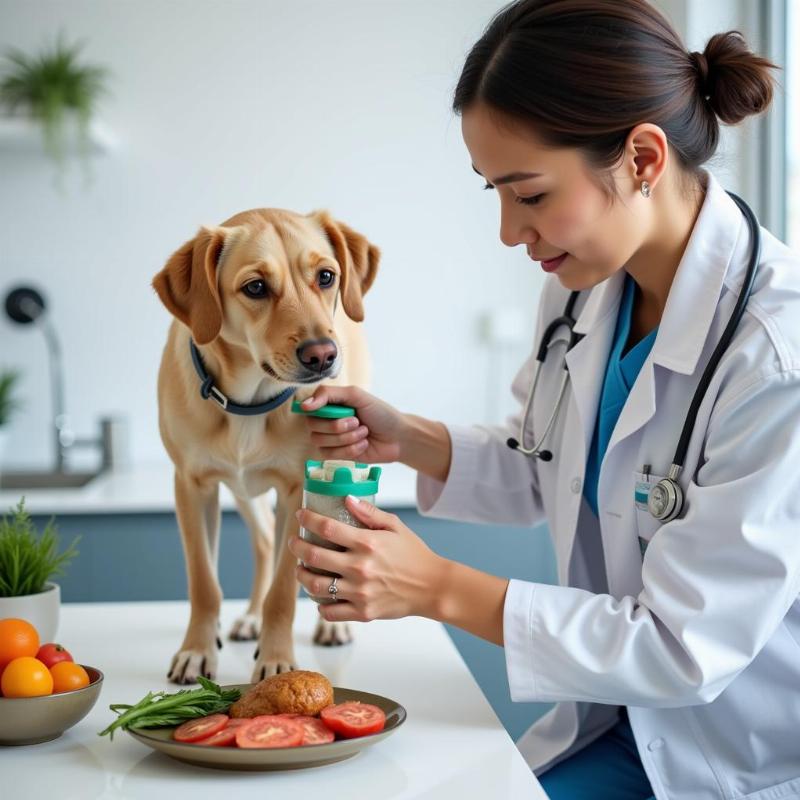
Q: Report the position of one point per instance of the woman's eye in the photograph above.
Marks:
(527, 201)
(255, 289)
(530, 201)
(326, 278)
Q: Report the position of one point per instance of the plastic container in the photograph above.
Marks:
(327, 484)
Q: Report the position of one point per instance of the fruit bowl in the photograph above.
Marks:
(31, 720)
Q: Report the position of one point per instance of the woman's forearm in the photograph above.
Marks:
(469, 599)
(425, 446)
(456, 594)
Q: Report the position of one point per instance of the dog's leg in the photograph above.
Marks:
(260, 520)
(197, 508)
(275, 652)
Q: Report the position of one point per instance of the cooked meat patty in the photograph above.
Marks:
(296, 692)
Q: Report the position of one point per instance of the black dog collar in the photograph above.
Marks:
(207, 389)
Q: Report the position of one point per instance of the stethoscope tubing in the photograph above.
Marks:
(669, 485)
(727, 334)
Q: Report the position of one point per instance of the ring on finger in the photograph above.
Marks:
(333, 589)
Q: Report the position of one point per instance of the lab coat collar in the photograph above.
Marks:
(603, 300)
(697, 285)
(695, 290)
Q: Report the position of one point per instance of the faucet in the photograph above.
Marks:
(26, 305)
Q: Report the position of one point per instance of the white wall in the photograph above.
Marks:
(223, 106)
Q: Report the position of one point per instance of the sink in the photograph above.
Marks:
(45, 480)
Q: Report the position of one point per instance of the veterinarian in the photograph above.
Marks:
(671, 645)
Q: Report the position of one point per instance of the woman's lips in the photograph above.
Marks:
(552, 264)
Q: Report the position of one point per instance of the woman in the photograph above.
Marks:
(671, 646)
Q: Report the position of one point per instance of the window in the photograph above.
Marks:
(791, 82)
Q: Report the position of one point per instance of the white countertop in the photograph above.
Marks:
(452, 746)
(148, 488)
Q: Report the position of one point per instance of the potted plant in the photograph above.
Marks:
(27, 562)
(57, 91)
(8, 404)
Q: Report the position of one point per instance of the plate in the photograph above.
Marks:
(313, 755)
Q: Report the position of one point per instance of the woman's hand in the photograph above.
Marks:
(373, 435)
(387, 571)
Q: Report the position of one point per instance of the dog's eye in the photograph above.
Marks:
(326, 278)
(255, 289)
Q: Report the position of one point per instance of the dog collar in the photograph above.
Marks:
(208, 390)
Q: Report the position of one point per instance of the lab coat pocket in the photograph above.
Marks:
(647, 525)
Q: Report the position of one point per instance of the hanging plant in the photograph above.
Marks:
(52, 88)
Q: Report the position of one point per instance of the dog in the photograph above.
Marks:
(257, 322)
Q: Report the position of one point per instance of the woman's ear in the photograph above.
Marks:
(358, 260)
(187, 285)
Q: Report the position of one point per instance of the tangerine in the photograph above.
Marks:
(17, 638)
(26, 677)
(68, 676)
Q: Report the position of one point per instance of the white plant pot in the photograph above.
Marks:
(41, 610)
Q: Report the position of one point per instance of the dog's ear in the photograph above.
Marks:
(187, 285)
(358, 260)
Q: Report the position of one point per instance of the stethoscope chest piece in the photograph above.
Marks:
(665, 500)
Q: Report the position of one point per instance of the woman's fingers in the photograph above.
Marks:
(317, 586)
(371, 516)
(329, 529)
(328, 440)
(318, 557)
(342, 611)
(351, 452)
(330, 426)
(339, 395)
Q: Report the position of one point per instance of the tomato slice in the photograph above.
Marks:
(237, 722)
(224, 738)
(270, 730)
(201, 728)
(315, 731)
(353, 719)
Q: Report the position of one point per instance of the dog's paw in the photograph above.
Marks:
(272, 664)
(187, 665)
(332, 634)
(245, 628)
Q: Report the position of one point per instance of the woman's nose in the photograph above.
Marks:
(514, 231)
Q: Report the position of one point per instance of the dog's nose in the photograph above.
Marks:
(318, 355)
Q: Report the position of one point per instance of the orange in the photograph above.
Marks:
(26, 677)
(68, 676)
(17, 638)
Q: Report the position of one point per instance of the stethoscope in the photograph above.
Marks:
(666, 498)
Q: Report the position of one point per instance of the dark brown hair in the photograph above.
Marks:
(583, 73)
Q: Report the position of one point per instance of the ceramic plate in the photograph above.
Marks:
(279, 757)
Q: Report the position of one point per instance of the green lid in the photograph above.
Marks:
(343, 483)
(329, 411)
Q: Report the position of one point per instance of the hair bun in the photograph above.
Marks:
(736, 82)
(701, 66)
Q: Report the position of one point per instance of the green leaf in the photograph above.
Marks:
(8, 403)
(49, 85)
(28, 560)
(159, 709)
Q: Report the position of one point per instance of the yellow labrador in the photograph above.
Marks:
(258, 323)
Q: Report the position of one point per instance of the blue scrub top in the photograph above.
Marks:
(621, 373)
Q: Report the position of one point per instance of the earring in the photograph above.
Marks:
(645, 189)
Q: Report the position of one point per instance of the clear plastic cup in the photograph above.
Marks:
(327, 484)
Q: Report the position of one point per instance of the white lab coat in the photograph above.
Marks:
(700, 639)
